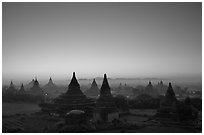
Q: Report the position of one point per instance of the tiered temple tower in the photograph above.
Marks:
(105, 106)
(93, 91)
(73, 99)
(22, 90)
(150, 90)
(36, 90)
(168, 106)
(11, 88)
(51, 89)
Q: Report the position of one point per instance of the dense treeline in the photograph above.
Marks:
(145, 101)
(15, 97)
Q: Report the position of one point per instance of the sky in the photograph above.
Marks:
(121, 39)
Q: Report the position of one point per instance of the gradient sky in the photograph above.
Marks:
(120, 39)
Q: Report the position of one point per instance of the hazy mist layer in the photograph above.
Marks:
(121, 39)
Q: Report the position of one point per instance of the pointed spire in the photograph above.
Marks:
(22, 88)
(22, 85)
(94, 84)
(74, 83)
(50, 81)
(170, 92)
(36, 83)
(105, 88)
(11, 84)
(105, 83)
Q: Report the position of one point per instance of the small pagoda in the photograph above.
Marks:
(93, 91)
(51, 89)
(11, 88)
(73, 99)
(22, 90)
(105, 110)
(36, 90)
(150, 90)
(168, 106)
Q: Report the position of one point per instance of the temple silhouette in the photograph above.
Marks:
(93, 91)
(105, 106)
(73, 99)
(36, 90)
(101, 109)
(50, 89)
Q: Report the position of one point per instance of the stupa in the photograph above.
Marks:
(150, 90)
(29, 85)
(22, 90)
(11, 88)
(50, 88)
(36, 90)
(105, 110)
(168, 106)
(93, 91)
(73, 99)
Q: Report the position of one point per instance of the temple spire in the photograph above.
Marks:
(170, 92)
(74, 87)
(74, 83)
(22, 86)
(22, 90)
(11, 84)
(105, 88)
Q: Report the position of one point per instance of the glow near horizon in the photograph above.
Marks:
(120, 39)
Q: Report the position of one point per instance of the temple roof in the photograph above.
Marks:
(105, 88)
(12, 85)
(94, 90)
(74, 87)
(35, 83)
(50, 84)
(170, 92)
(22, 90)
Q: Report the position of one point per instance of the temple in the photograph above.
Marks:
(93, 91)
(73, 99)
(11, 88)
(150, 90)
(29, 85)
(105, 110)
(168, 106)
(22, 90)
(36, 90)
(51, 89)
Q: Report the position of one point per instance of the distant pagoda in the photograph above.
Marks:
(50, 83)
(11, 88)
(36, 90)
(22, 90)
(168, 106)
(161, 88)
(29, 85)
(150, 90)
(93, 91)
(50, 88)
(105, 106)
(73, 99)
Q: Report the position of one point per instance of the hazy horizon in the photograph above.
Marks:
(124, 40)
